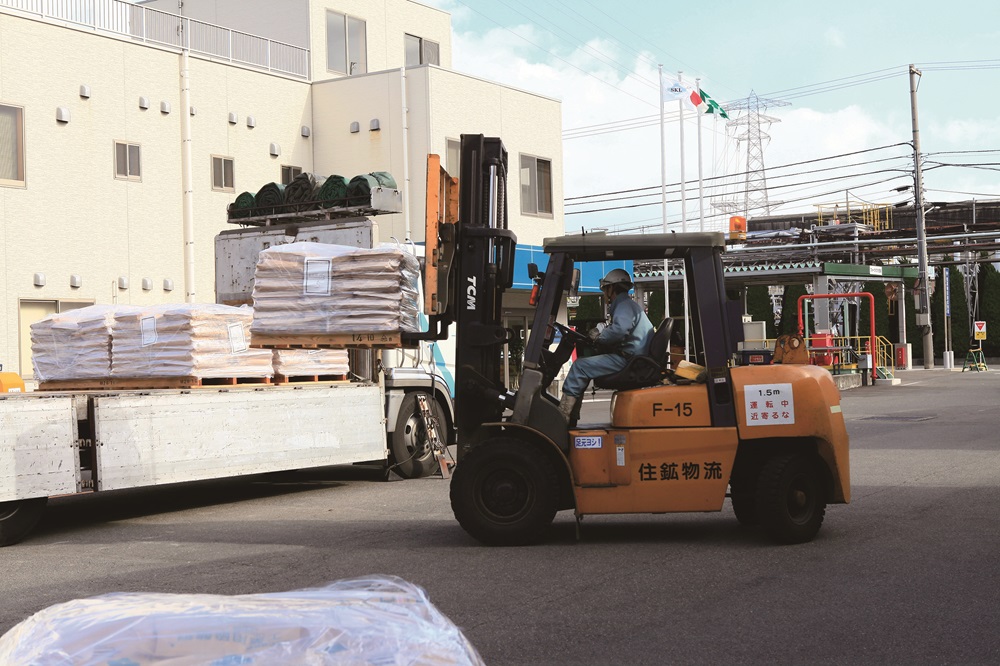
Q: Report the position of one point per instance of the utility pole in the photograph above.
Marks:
(924, 307)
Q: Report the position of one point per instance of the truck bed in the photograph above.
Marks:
(59, 443)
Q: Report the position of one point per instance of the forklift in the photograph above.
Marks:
(773, 436)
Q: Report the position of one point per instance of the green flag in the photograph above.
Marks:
(713, 106)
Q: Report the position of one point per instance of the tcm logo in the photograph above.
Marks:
(470, 293)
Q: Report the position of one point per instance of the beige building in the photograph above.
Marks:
(94, 117)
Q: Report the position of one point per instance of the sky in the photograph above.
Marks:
(840, 69)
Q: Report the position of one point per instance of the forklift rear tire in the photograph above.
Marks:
(504, 492)
(412, 454)
(791, 501)
(19, 517)
(743, 496)
(743, 492)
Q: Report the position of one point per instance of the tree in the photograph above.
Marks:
(759, 308)
(989, 307)
(789, 308)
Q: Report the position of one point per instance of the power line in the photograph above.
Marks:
(690, 183)
(780, 166)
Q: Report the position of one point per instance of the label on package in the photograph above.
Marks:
(147, 326)
(237, 338)
(588, 442)
(316, 277)
(620, 455)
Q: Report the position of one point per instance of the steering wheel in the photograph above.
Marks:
(575, 336)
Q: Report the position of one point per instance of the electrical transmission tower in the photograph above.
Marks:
(755, 184)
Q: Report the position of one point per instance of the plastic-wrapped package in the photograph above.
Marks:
(304, 362)
(186, 340)
(374, 620)
(319, 288)
(75, 344)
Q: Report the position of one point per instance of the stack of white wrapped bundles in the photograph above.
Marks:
(311, 362)
(74, 344)
(319, 289)
(189, 340)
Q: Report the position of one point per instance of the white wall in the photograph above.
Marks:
(386, 23)
(442, 105)
(527, 123)
(73, 216)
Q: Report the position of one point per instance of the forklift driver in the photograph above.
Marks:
(628, 334)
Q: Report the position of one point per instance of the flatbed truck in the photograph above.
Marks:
(65, 442)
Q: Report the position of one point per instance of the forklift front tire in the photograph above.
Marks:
(504, 492)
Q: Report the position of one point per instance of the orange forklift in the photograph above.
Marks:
(773, 436)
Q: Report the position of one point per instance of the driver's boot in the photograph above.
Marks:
(569, 408)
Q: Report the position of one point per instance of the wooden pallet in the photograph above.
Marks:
(140, 383)
(391, 340)
(309, 379)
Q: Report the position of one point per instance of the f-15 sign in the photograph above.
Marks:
(979, 329)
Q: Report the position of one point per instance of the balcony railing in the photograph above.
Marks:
(152, 26)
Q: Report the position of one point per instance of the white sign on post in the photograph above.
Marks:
(979, 330)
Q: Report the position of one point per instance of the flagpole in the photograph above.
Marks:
(663, 200)
(701, 179)
(680, 109)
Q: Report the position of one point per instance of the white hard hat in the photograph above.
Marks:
(616, 276)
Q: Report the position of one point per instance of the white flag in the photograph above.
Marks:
(674, 90)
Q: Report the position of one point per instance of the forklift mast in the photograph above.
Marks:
(469, 266)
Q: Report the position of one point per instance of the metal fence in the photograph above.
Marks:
(161, 28)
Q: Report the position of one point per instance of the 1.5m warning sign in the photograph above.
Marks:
(769, 404)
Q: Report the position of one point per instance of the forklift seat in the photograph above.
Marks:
(643, 371)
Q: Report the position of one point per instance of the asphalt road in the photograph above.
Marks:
(908, 573)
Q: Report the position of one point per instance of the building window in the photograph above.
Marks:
(536, 185)
(288, 173)
(11, 145)
(346, 44)
(453, 158)
(222, 173)
(128, 165)
(420, 51)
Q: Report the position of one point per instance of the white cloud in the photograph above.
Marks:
(834, 37)
(595, 92)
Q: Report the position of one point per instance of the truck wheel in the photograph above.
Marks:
(18, 517)
(412, 454)
(790, 498)
(503, 492)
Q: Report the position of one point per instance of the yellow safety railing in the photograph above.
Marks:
(840, 354)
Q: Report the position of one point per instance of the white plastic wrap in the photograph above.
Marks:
(75, 344)
(186, 340)
(307, 362)
(319, 288)
(375, 620)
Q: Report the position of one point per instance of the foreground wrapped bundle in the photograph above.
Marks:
(321, 289)
(74, 344)
(188, 340)
(309, 362)
(375, 620)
